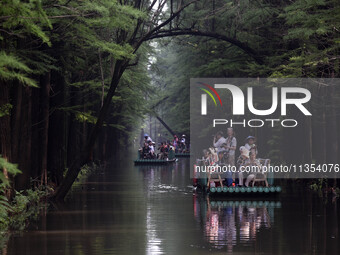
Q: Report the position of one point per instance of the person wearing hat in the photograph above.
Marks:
(183, 139)
(147, 138)
(183, 146)
(250, 143)
(241, 161)
(219, 141)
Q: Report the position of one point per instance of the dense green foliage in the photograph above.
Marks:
(63, 62)
(290, 39)
(25, 204)
(64, 54)
(5, 206)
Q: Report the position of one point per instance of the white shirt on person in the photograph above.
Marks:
(218, 144)
(147, 140)
(249, 147)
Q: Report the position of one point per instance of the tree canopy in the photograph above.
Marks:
(69, 68)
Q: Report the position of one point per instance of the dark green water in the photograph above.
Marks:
(127, 209)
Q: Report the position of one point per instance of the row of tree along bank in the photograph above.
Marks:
(57, 61)
(290, 39)
(67, 68)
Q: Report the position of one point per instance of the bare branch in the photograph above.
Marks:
(152, 5)
(167, 21)
(177, 32)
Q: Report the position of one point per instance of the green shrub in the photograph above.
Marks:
(25, 204)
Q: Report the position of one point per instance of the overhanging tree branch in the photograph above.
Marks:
(237, 43)
(158, 33)
(155, 29)
(120, 67)
(152, 5)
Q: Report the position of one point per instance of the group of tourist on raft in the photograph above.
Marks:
(148, 151)
(225, 149)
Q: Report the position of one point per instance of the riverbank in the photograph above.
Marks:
(27, 206)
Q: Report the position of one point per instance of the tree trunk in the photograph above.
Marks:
(332, 127)
(323, 124)
(25, 140)
(45, 83)
(56, 131)
(5, 131)
(150, 125)
(73, 138)
(16, 122)
(35, 145)
(333, 130)
(165, 125)
(74, 169)
(309, 140)
(84, 127)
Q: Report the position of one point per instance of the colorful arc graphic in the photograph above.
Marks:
(209, 95)
(213, 90)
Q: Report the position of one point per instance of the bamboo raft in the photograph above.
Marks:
(245, 191)
(182, 155)
(154, 161)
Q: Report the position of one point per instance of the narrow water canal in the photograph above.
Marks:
(127, 209)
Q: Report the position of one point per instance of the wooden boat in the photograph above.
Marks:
(154, 161)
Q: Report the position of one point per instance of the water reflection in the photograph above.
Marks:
(129, 209)
(161, 185)
(164, 179)
(153, 242)
(229, 223)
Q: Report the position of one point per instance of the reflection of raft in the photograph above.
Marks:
(154, 161)
(182, 155)
(245, 191)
